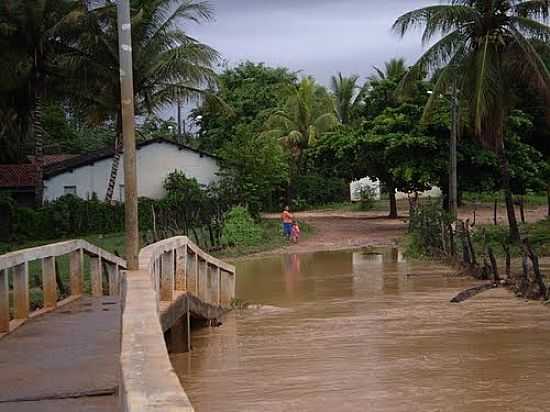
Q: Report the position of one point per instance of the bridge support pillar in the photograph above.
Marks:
(227, 288)
(113, 273)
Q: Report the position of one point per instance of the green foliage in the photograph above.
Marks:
(240, 229)
(425, 230)
(250, 91)
(255, 170)
(314, 190)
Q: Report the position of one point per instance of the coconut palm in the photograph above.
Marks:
(168, 65)
(485, 46)
(347, 96)
(307, 114)
(394, 69)
(33, 34)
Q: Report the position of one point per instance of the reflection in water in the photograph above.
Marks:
(363, 331)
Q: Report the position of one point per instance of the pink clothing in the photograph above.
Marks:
(295, 233)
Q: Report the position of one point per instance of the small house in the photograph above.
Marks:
(88, 174)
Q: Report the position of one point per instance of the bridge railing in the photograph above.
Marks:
(168, 269)
(15, 305)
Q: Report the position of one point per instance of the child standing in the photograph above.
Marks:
(295, 232)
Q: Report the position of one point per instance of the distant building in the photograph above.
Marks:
(89, 173)
(373, 185)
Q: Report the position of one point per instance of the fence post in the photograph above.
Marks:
(114, 278)
(49, 285)
(203, 280)
(219, 278)
(181, 268)
(4, 302)
(76, 266)
(21, 291)
(95, 274)
(167, 276)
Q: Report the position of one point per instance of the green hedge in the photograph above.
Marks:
(313, 190)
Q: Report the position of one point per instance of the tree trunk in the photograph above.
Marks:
(393, 202)
(548, 200)
(116, 160)
(495, 212)
(38, 135)
(522, 208)
(505, 183)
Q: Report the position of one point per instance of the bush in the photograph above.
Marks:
(313, 190)
(240, 229)
(367, 197)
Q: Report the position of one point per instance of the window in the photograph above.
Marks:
(69, 190)
(121, 193)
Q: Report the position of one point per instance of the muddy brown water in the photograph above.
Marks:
(364, 331)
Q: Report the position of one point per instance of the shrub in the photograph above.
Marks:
(240, 229)
(313, 190)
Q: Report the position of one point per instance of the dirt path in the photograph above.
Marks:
(336, 230)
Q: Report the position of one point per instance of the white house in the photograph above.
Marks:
(89, 173)
(357, 186)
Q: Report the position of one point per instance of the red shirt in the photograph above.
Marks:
(287, 217)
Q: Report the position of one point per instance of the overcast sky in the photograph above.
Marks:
(318, 37)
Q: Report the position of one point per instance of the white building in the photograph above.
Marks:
(367, 183)
(156, 159)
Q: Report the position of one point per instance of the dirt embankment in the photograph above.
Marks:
(336, 230)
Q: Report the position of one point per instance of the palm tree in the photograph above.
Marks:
(485, 46)
(347, 96)
(394, 69)
(33, 34)
(168, 65)
(307, 114)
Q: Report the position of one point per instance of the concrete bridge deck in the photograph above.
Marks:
(67, 360)
(104, 353)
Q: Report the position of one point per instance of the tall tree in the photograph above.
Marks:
(33, 36)
(488, 45)
(168, 64)
(307, 114)
(347, 96)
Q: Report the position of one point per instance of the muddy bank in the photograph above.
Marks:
(340, 230)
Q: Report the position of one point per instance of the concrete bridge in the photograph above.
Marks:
(105, 350)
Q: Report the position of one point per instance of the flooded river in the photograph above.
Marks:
(363, 331)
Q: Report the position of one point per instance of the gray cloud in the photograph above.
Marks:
(319, 37)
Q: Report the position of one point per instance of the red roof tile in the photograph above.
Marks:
(55, 158)
(18, 175)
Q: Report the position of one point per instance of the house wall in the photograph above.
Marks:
(154, 163)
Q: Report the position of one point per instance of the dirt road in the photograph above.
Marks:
(336, 230)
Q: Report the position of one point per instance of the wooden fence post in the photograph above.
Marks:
(21, 291)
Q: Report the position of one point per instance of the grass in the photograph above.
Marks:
(272, 238)
(538, 234)
(533, 199)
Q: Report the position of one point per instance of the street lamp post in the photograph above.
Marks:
(453, 175)
(128, 133)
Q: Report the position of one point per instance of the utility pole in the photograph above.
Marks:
(453, 179)
(180, 140)
(128, 133)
